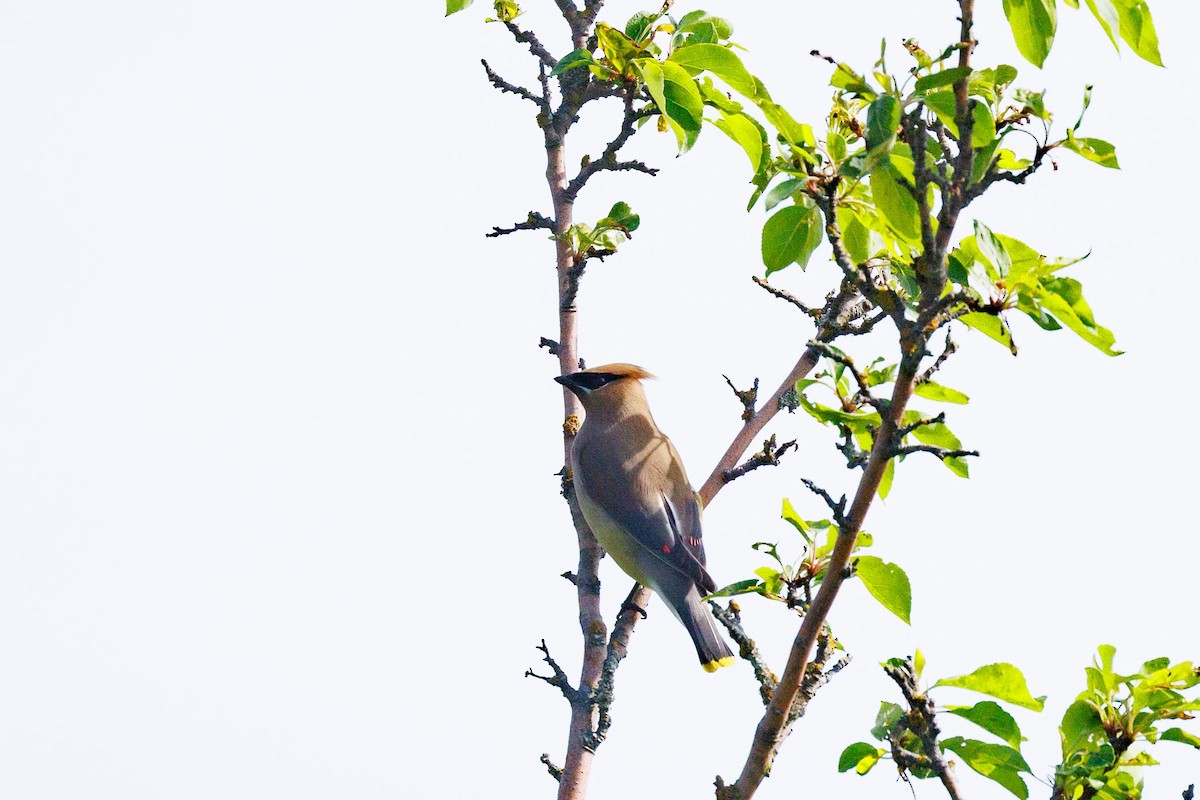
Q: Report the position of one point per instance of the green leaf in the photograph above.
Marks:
(859, 757)
(677, 98)
(958, 465)
(1095, 150)
(694, 19)
(992, 249)
(746, 133)
(771, 578)
(993, 719)
(996, 761)
(897, 205)
(572, 60)
(835, 143)
(989, 83)
(790, 236)
(716, 98)
(991, 326)
(1137, 29)
(918, 663)
(1033, 23)
(1110, 20)
(507, 10)
(720, 61)
(782, 191)
(1180, 735)
(770, 548)
(945, 108)
(454, 6)
(847, 79)
(1033, 102)
(795, 133)
(942, 394)
(789, 514)
(946, 77)
(887, 583)
(1080, 721)
(1002, 681)
(1064, 299)
(937, 435)
(983, 131)
(620, 216)
(640, 26)
(889, 477)
(750, 586)
(889, 714)
(883, 117)
(855, 234)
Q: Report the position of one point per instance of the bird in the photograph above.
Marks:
(636, 498)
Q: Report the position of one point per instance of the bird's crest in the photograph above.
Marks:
(622, 370)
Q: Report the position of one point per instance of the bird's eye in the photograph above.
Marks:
(594, 380)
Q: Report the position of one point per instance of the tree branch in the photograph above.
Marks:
(608, 159)
(731, 618)
(618, 648)
(535, 47)
(533, 222)
(512, 88)
(767, 457)
(922, 722)
(781, 294)
(773, 725)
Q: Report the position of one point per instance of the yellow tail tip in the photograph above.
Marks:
(713, 666)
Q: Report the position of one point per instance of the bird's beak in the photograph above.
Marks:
(569, 382)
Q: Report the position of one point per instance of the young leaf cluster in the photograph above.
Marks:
(794, 582)
(1107, 731)
(911, 736)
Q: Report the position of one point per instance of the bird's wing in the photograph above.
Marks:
(646, 492)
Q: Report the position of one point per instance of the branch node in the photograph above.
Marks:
(558, 679)
(747, 397)
(555, 771)
(838, 508)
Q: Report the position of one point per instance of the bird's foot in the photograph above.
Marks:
(634, 607)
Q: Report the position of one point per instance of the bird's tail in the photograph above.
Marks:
(702, 627)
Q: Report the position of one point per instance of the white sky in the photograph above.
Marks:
(277, 508)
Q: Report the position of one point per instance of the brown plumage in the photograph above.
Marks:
(636, 498)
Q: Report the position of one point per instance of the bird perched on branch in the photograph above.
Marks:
(636, 498)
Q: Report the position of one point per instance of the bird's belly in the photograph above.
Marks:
(615, 540)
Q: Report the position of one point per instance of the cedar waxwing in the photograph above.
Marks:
(636, 498)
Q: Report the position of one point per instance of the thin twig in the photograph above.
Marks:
(608, 159)
(533, 222)
(838, 508)
(767, 457)
(512, 88)
(950, 348)
(782, 295)
(559, 679)
(731, 618)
